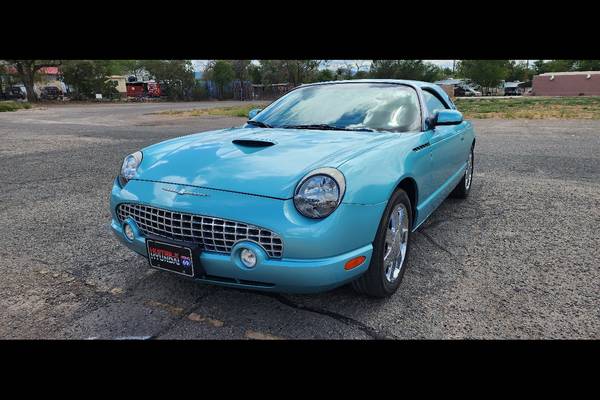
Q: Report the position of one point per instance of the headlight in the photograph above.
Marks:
(130, 166)
(320, 192)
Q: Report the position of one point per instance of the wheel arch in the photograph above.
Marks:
(409, 185)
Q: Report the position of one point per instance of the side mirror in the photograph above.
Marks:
(445, 117)
(252, 113)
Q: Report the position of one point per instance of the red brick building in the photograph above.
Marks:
(585, 83)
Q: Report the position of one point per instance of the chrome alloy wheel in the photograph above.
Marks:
(396, 242)
(469, 171)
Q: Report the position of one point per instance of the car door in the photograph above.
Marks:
(446, 143)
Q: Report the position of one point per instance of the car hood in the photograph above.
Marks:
(265, 162)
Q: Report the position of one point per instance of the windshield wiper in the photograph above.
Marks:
(258, 123)
(325, 127)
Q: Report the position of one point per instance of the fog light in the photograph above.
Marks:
(129, 232)
(248, 258)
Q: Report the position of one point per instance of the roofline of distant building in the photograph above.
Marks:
(571, 73)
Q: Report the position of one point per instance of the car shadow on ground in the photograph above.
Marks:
(424, 284)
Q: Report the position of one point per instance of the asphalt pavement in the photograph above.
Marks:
(518, 259)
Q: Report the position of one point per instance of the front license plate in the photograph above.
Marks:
(170, 257)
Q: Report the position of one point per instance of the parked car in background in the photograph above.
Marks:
(513, 91)
(515, 88)
(323, 187)
(465, 91)
(14, 93)
(50, 93)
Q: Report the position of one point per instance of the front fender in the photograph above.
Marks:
(372, 177)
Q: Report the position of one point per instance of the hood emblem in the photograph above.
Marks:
(184, 192)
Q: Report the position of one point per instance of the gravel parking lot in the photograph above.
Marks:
(518, 259)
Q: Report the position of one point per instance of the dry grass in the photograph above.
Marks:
(508, 108)
(13, 105)
(237, 111)
(531, 108)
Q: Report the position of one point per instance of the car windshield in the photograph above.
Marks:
(348, 106)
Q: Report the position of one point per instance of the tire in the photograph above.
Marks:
(378, 280)
(462, 189)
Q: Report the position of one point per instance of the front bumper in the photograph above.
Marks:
(314, 251)
(276, 275)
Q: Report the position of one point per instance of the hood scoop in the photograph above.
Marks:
(255, 143)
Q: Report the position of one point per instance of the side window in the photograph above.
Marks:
(432, 102)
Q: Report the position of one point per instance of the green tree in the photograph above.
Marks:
(343, 73)
(27, 71)
(541, 66)
(446, 73)
(176, 77)
(119, 67)
(486, 73)
(405, 69)
(221, 72)
(301, 71)
(4, 77)
(88, 77)
(272, 71)
(518, 71)
(240, 69)
(295, 72)
(586, 65)
(255, 73)
(241, 73)
(325, 75)
(360, 75)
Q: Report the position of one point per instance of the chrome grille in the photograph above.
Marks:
(214, 234)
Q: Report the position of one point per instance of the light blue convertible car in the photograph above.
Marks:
(321, 188)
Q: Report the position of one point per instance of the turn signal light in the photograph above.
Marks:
(355, 262)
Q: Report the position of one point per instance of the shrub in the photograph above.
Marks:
(199, 91)
(13, 105)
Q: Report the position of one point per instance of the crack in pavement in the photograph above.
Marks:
(433, 224)
(369, 331)
(448, 218)
(473, 217)
(439, 246)
(184, 314)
